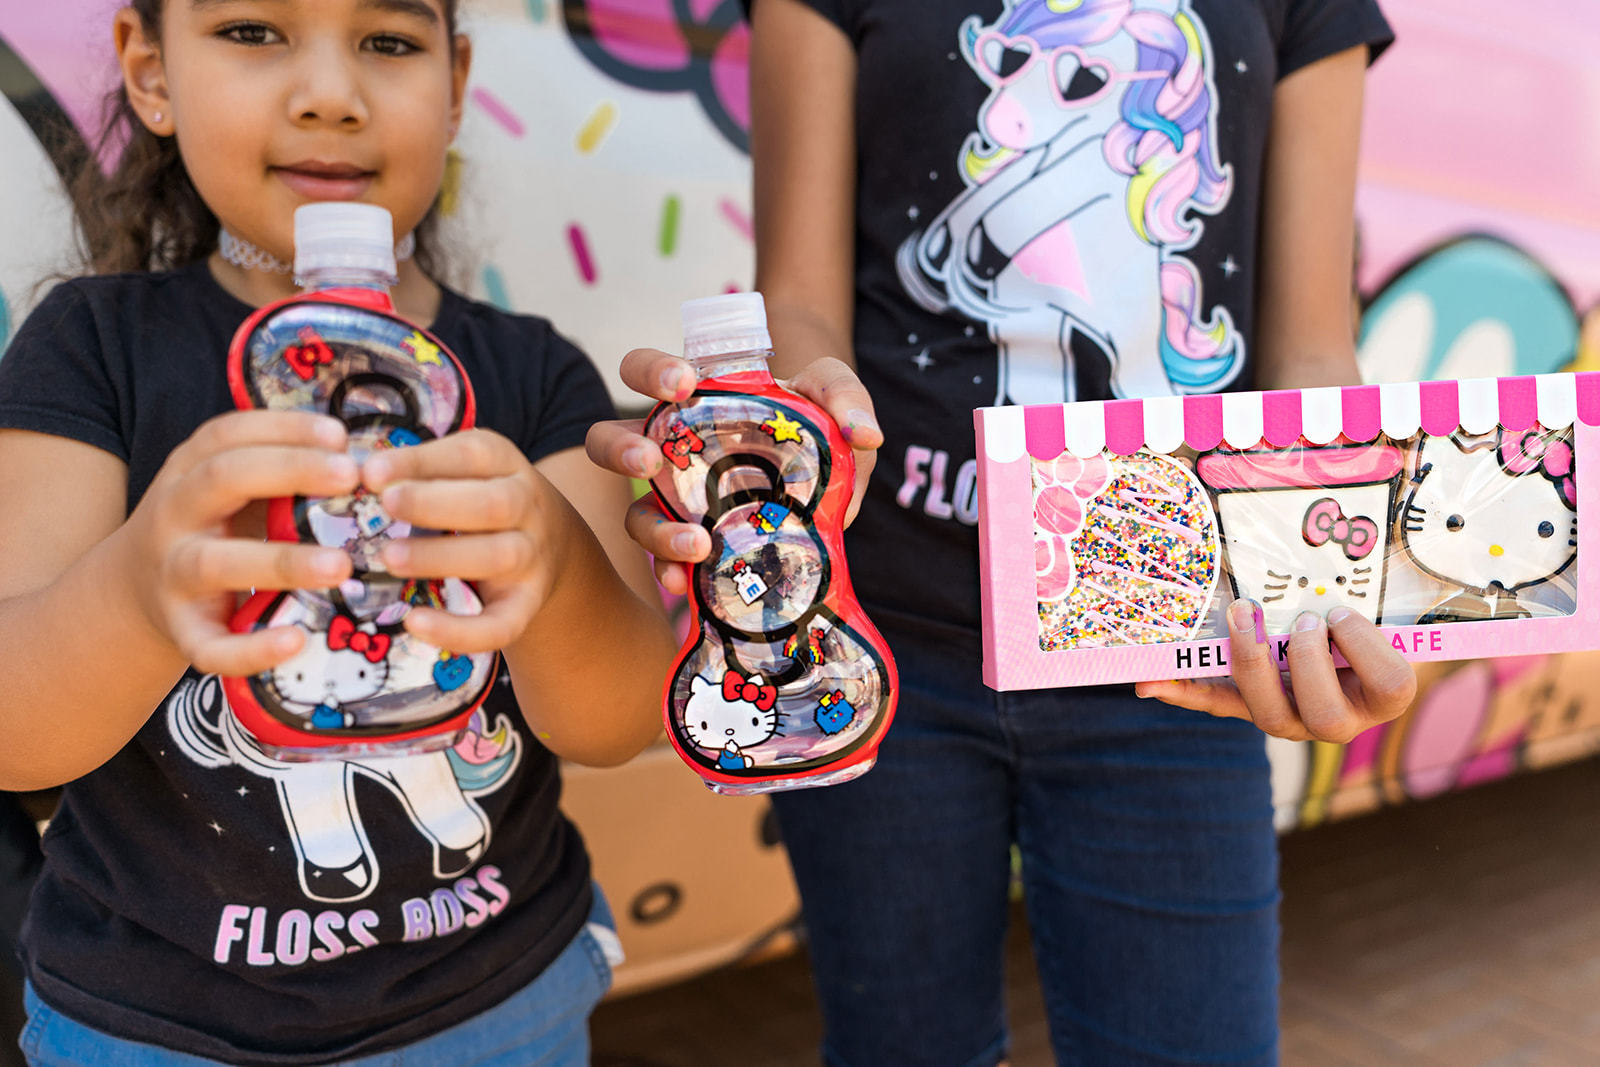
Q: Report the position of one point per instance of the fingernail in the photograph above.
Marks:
(856, 421)
(376, 470)
(342, 466)
(1139, 692)
(676, 383)
(328, 564)
(1338, 615)
(330, 431)
(637, 459)
(1246, 616)
(1307, 621)
(396, 554)
(683, 543)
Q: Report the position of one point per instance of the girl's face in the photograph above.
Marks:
(277, 103)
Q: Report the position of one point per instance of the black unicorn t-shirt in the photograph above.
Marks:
(1057, 200)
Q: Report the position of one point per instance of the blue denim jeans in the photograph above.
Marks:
(546, 1024)
(1149, 873)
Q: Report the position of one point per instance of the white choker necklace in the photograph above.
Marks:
(242, 253)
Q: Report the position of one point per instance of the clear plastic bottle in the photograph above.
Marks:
(361, 684)
(783, 682)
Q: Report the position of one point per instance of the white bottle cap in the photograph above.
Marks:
(723, 325)
(343, 235)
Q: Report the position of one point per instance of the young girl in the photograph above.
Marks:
(202, 901)
(1032, 201)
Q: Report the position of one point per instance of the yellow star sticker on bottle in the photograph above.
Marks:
(781, 428)
(422, 349)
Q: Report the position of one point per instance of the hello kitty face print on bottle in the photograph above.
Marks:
(1491, 515)
(729, 718)
(334, 672)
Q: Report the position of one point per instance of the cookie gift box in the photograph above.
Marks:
(1113, 535)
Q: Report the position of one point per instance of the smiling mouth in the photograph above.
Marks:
(325, 171)
(318, 180)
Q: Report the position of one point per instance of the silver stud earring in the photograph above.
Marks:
(156, 118)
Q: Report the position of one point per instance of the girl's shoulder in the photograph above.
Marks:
(461, 313)
(118, 304)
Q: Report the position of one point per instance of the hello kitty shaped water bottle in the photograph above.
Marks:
(361, 684)
(783, 682)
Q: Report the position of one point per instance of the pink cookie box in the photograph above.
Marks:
(1114, 535)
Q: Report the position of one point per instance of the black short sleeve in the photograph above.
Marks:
(571, 397)
(55, 378)
(1316, 29)
(839, 12)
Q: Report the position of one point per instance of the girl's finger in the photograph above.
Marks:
(833, 385)
(212, 649)
(469, 454)
(467, 505)
(673, 577)
(662, 538)
(1214, 696)
(1318, 696)
(225, 482)
(475, 557)
(1388, 682)
(620, 447)
(207, 565)
(248, 429)
(502, 621)
(1255, 672)
(657, 374)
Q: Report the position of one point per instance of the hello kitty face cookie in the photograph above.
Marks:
(1494, 513)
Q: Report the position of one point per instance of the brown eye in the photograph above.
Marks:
(1303, 582)
(1547, 529)
(1340, 580)
(1454, 523)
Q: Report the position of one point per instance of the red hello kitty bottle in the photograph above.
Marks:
(783, 682)
(361, 683)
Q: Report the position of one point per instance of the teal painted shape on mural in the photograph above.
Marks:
(1488, 291)
(494, 287)
(5, 324)
(536, 10)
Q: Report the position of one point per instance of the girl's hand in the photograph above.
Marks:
(621, 446)
(511, 527)
(187, 567)
(1320, 703)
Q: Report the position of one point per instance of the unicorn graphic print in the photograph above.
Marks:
(335, 861)
(1097, 141)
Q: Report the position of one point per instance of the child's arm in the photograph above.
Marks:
(100, 616)
(1306, 337)
(589, 648)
